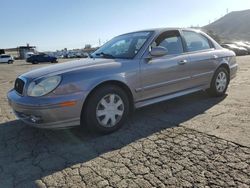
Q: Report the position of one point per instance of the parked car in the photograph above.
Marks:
(6, 59)
(243, 45)
(237, 49)
(82, 55)
(34, 59)
(85, 55)
(130, 71)
(71, 55)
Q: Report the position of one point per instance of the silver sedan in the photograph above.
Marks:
(130, 71)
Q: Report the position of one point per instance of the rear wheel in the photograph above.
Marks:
(106, 109)
(219, 84)
(34, 62)
(10, 62)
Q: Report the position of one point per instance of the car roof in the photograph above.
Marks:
(160, 30)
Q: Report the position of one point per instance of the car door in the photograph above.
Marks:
(39, 58)
(4, 59)
(1, 59)
(202, 57)
(166, 74)
(47, 58)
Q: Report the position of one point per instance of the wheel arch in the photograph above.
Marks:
(118, 83)
(226, 66)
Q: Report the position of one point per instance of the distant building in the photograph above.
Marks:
(90, 50)
(25, 49)
(20, 51)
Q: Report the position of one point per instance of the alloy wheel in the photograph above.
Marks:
(221, 82)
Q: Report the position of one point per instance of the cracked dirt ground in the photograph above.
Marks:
(192, 141)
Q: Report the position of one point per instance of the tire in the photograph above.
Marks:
(10, 62)
(108, 119)
(219, 83)
(34, 62)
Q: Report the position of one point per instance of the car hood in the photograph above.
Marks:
(68, 66)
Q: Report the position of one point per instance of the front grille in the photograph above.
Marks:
(19, 85)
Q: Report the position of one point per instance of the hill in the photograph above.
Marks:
(233, 26)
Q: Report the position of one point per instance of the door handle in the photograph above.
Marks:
(182, 62)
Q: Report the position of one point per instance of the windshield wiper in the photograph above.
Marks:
(102, 54)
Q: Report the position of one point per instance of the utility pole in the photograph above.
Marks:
(99, 42)
(227, 10)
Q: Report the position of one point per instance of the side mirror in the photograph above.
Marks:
(158, 51)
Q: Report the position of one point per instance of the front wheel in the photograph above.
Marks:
(106, 109)
(219, 84)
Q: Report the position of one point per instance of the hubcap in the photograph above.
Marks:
(221, 82)
(109, 110)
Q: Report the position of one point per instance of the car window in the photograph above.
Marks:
(5, 56)
(120, 47)
(195, 41)
(139, 43)
(170, 40)
(125, 46)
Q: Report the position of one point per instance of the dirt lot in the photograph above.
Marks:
(192, 141)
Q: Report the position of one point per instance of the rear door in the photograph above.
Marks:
(202, 57)
(47, 58)
(166, 74)
(4, 59)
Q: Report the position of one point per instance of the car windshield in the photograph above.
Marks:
(123, 47)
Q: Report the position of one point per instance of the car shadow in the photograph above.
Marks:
(28, 154)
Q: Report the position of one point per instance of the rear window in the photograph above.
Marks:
(196, 41)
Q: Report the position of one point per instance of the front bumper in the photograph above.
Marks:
(47, 112)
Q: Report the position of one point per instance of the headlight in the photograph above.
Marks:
(43, 87)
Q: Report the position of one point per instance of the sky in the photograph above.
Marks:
(58, 24)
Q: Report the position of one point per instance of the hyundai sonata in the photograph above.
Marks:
(130, 71)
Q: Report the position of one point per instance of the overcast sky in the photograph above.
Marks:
(55, 24)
